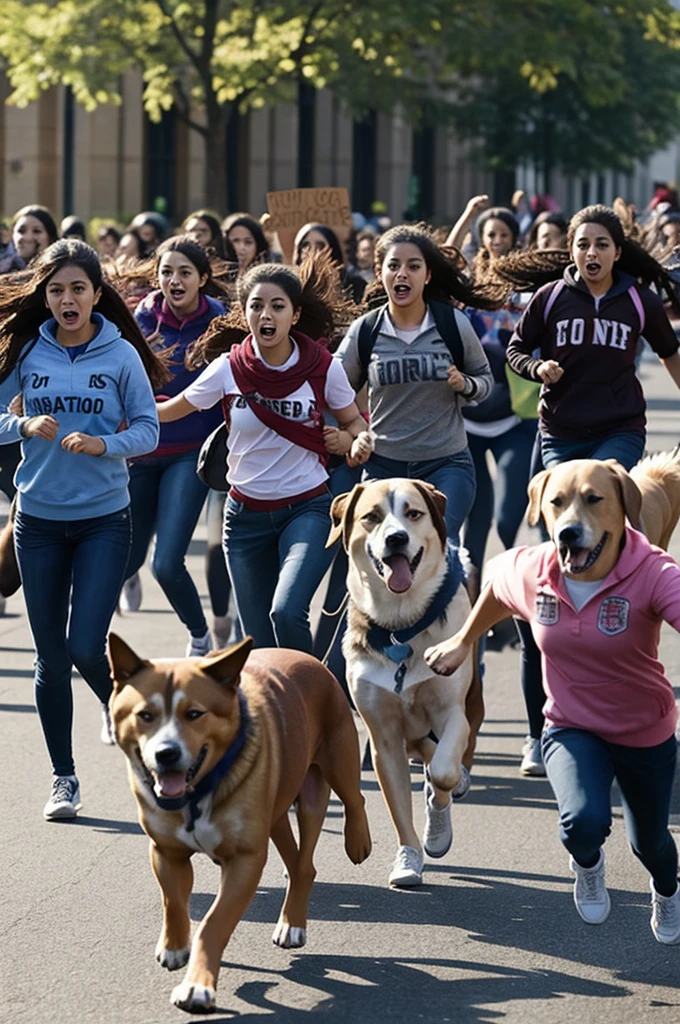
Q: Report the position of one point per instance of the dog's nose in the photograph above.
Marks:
(570, 535)
(398, 539)
(168, 754)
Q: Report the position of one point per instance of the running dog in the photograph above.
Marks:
(406, 592)
(658, 479)
(218, 749)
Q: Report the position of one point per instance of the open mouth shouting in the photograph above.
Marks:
(402, 290)
(267, 332)
(592, 268)
(575, 560)
(70, 317)
(168, 783)
(396, 570)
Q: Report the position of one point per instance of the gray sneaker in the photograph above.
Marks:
(532, 758)
(64, 801)
(199, 646)
(407, 869)
(131, 595)
(437, 834)
(666, 916)
(107, 735)
(590, 892)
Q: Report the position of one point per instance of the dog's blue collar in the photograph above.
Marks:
(394, 644)
(210, 781)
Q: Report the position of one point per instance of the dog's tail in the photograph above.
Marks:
(662, 468)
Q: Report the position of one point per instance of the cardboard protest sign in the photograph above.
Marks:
(291, 208)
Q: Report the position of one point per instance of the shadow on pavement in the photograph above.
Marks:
(373, 990)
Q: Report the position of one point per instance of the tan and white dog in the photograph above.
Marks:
(407, 592)
(218, 749)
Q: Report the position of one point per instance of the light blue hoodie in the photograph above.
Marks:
(105, 386)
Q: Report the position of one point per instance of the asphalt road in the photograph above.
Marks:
(492, 935)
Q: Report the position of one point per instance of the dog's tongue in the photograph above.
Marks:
(171, 784)
(399, 575)
(577, 557)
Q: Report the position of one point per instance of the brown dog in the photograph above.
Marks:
(214, 767)
(407, 591)
(658, 478)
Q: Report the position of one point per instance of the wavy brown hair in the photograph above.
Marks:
(23, 308)
(313, 288)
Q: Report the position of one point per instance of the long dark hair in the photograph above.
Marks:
(207, 265)
(334, 246)
(42, 214)
(244, 220)
(216, 242)
(23, 308)
(528, 270)
(313, 288)
(449, 279)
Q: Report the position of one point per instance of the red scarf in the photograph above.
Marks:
(254, 378)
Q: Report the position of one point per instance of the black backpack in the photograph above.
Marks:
(445, 321)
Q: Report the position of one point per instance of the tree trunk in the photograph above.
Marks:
(215, 187)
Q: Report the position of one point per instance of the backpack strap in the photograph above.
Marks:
(368, 330)
(449, 331)
(556, 289)
(637, 302)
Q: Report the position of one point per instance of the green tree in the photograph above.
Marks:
(596, 88)
(208, 58)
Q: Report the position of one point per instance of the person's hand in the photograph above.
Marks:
(338, 442)
(476, 205)
(549, 371)
(446, 657)
(83, 444)
(16, 406)
(455, 379)
(361, 449)
(45, 427)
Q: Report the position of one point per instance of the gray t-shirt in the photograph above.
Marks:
(414, 414)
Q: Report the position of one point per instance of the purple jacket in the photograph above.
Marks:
(152, 314)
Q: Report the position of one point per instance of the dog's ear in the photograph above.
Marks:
(225, 667)
(631, 497)
(124, 662)
(535, 490)
(436, 506)
(342, 515)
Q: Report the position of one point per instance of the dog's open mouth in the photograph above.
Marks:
(397, 571)
(575, 560)
(171, 785)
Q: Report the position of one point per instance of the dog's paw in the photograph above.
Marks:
(288, 937)
(193, 998)
(171, 959)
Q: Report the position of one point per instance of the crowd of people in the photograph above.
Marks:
(407, 352)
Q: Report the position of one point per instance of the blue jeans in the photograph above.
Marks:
(506, 501)
(453, 475)
(276, 561)
(76, 565)
(581, 768)
(627, 447)
(166, 498)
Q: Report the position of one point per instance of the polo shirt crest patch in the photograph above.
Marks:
(547, 609)
(613, 615)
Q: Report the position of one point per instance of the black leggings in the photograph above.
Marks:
(10, 457)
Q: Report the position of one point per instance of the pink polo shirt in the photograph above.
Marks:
(601, 670)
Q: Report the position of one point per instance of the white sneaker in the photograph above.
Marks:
(407, 869)
(666, 916)
(199, 646)
(64, 801)
(222, 631)
(532, 759)
(438, 833)
(590, 892)
(131, 595)
(107, 735)
(463, 787)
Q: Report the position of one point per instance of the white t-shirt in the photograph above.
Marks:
(408, 335)
(261, 463)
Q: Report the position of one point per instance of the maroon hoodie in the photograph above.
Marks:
(595, 342)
